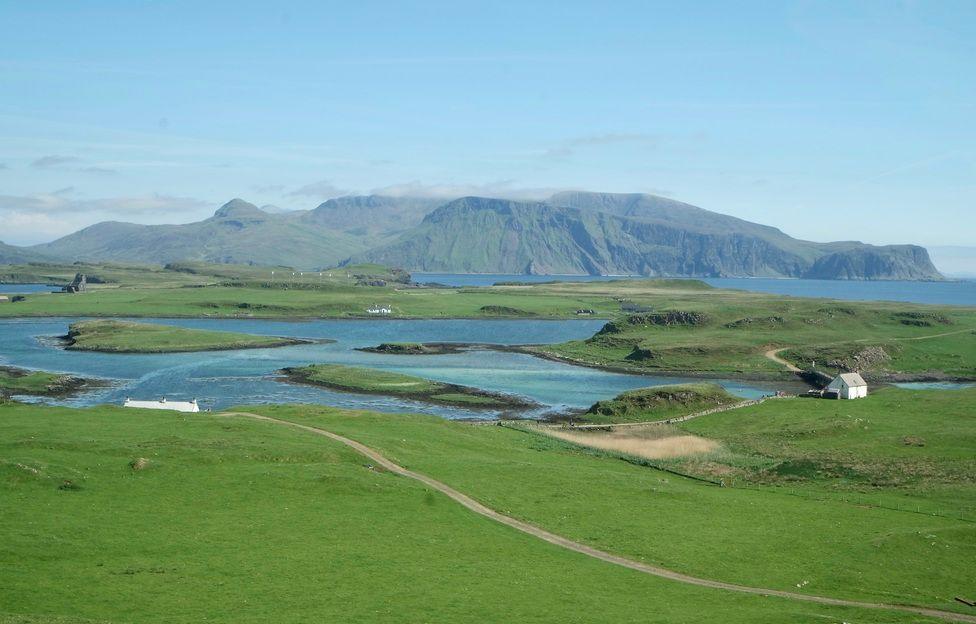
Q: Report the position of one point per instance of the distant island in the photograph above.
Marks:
(579, 233)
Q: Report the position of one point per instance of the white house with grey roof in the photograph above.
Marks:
(847, 386)
(179, 406)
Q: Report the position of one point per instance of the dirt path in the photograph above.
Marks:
(952, 333)
(773, 354)
(589, 551)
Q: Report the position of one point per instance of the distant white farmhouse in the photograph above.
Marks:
(379, 310)
(847, 386)
(179, 406)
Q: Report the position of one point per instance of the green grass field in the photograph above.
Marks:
(909, 440)
(876, 543)
(340, 301)
(113, 336)
(389, 383)
(232, 520)
(104, 276)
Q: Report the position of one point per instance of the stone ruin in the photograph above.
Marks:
(78, 284)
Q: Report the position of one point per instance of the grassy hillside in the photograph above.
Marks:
(389, 383)
(238, 232)
(133, 516)
(112, 336)
(107, 274)
(10, 254)
(659, 403)
(921, 440)
(722, 331)
(187, 274)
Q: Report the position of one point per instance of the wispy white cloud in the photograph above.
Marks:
(569, 147)
(54, 160)
(267, 188)
(918, 164)
(323, 189)
(30, 219)
(505, 189)
(99, 170)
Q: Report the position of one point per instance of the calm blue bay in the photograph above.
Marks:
(947, 293)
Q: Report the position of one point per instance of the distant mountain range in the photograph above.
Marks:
(9, 254)
(571, 233)
(240, 232)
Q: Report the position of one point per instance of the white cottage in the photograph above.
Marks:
(848, 386)
(179, 406)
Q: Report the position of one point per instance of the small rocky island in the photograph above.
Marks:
(416, 348)
(113, 336)
(18, 381)
(373, 381)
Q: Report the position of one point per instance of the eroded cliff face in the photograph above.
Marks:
(483, 235)
(892, 262)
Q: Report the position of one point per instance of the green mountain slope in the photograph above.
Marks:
(10, 254)
(238, 232)
(599, 233)
(371, 215)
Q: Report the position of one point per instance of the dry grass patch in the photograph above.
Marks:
(649, 443)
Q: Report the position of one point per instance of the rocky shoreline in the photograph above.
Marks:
(58, 386)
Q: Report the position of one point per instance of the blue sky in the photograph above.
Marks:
(828, 120)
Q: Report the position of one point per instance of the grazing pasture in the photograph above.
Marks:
(878, 543)
(115, 515)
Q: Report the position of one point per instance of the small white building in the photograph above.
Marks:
(179, 406)
(379, 310)
(847, 386)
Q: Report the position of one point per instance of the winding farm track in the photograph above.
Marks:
(563, 542)
(773, 354)
(951, 333)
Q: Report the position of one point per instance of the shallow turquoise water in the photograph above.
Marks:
(220, 379)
